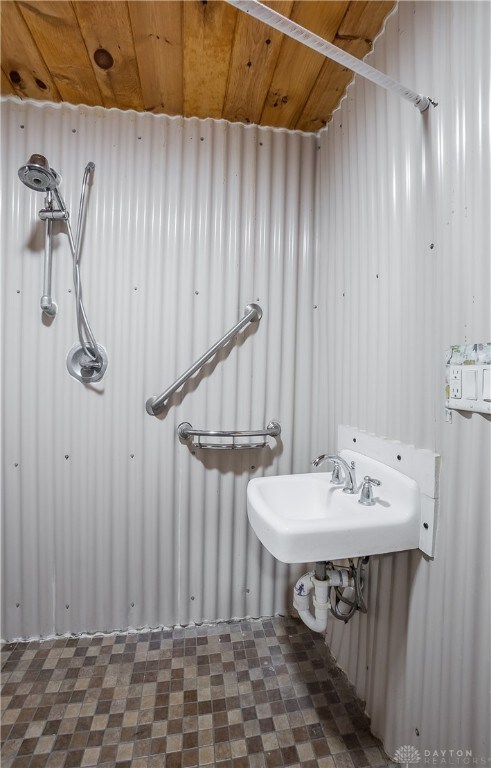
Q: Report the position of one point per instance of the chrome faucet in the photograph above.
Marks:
(349, 471)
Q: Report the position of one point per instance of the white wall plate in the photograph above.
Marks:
(420, 464)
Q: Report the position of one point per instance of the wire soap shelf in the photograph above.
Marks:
(228, 439)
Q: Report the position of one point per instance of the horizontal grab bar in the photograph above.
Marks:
(156, 403)
(186, 431)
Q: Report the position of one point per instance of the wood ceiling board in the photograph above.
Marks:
(157, 34)
(54, 28)
(106, 25)
(20, 55)
(298, 66)
(330, 87)
(254, 58)
(208, 38)
(364, 20)
(191, 58)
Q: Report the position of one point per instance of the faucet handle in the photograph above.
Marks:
(366, 495)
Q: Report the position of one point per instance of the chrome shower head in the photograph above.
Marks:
(37, 174)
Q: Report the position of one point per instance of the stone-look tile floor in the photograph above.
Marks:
(251, 694)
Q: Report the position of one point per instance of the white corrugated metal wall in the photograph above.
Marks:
(182, 233)
(405, 236)
(109, 521)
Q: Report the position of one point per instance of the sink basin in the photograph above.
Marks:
(304, 518)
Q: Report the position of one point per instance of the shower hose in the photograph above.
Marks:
(86, 337)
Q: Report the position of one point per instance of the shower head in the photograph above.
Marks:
(37, 174)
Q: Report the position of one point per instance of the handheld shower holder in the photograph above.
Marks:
(45, 214)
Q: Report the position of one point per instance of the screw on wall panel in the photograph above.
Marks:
(354, 439)
(67, 456)
(18, 291)
(69, 290)
(315, 306)
(268, 41)
(17, 605)
(16, 464)
(135, 288)
(248, 590)
(425, 525)
(416, 731)
(343, 294)
(132, 605)
(74, 130)
(196, 293)
(139, 138)
(192, 597)
(67, 606)
(252, 466)
(132, 455)
(260, 144)
(432, 245)
(398, 457)
(21, 126)
(202, 138)
(376, 275)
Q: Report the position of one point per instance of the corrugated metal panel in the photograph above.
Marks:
(404, 220)
(109, 521)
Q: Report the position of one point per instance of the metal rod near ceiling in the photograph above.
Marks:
(297, 32)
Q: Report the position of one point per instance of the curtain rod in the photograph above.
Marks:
(297, 32)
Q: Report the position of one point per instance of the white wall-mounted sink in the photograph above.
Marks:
(304, 518)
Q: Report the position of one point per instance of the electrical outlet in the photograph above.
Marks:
(455, 389)
(456, 382)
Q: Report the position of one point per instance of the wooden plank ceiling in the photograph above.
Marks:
(192, 58)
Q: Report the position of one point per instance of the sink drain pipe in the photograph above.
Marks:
(320, 581)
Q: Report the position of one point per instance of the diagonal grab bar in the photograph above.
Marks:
(155, 404)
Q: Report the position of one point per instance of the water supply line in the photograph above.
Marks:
(301, 34)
